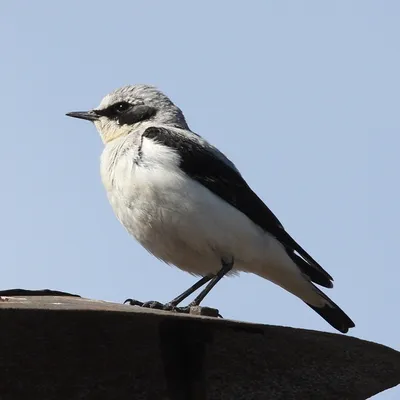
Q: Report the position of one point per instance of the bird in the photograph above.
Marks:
(187, 204)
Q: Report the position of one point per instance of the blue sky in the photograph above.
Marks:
(303, 96)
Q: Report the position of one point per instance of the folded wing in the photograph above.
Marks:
(208, 166)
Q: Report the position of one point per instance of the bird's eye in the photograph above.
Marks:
(121, 107)
(114, 110)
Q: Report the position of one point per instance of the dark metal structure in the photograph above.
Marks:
(66, 347)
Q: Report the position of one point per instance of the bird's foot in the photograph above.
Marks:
(156, 305)
(190, 309)
(182, 310)
(147, 304)
(169, 307)
(133, 302)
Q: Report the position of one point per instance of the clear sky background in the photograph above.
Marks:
(303, 96)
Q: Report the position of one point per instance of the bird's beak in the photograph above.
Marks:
(88, 115)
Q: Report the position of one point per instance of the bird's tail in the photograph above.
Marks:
(299, 284)
(293, 274)
(332, 313)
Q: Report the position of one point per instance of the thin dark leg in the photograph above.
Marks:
(173, 303)
(226, 267)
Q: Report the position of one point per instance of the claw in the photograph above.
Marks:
(133, 302)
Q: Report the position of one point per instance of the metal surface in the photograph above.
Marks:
(64, 347)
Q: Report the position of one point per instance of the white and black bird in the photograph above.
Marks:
(189, 206)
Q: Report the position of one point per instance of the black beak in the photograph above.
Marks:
(88, 115)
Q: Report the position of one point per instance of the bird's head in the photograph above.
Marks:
(124, 109)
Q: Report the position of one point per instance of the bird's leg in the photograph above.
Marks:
(226, 267)
(173, 303)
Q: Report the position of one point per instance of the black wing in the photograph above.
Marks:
(211, 169)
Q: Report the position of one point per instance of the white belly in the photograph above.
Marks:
(184, 224)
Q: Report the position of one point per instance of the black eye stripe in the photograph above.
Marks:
(127, 114)
(114, 110)
(136, 114)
